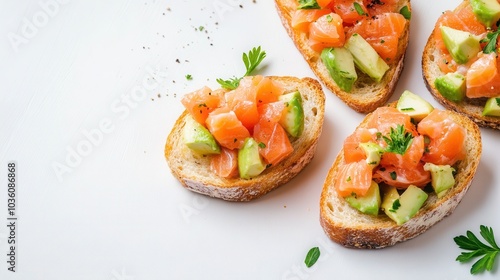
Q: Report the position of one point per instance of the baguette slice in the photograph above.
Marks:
(350, 228)
(366, 95)
(430, 71)
(193, 171)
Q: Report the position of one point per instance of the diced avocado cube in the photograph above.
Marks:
(369, 203)
(451, 86)
(486, 11)
(442, 177)
(462, 45)
(199, 139)
(292, 119)
(340, 65)
(250, 164)
(414, 106)
(366, 58)
(492, 107)
(373, 152)
(401, 208)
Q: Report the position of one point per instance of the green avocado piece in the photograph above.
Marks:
(292, 119)
(442, 177)
(366, 58)
(492, 107)
(486, 11)
(414, 106)
(199, 139)
(250, 164)
(462, 45)
(340, 64)
(369, 203)
(451, 86)
(401, 208)
(373, 152)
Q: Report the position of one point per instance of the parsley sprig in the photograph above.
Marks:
(398, 141)
(491, 39)
(312, 256)
(308, 4)
(477, 248)
(251, 61)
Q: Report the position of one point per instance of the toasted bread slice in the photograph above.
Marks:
(430, 71)
(193, 170)
(366, 94)
(350, 228)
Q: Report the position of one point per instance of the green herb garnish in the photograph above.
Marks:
(348, 179)
(398, 141)
(308, 4)
(262, 145)
(201, 28)
(359, 9)
(312, 256)
(408, 109)
(491, 38)
(405, 11)
(189, 77)
(477, 248)
(498, 101)
(329, 18)
(251, 61)
(393, 174)
(395, 205)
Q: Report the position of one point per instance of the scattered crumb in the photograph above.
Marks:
(177, 60)
(284, 206)
(159, 96)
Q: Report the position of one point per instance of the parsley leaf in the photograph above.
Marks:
(308, 4)
(395, 205)
(398, 141)
(312, 256)
(359, 9)
(491, 38)
(251, 61)
(477, 248)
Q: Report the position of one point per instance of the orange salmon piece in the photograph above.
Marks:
(225, 164)
(268, 91)
(463, 18)
(226, 128)
(483, 78)
(200, 103)
(402, 177)
(353, 177)
(382, 32)
(243, 101)
(377, 7)
(302, 18)
(326, 31)
(447, 138)
(347, 11)
(352, 151)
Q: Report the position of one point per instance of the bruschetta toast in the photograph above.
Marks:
(460, 63)
(398, 174)
(261, 135)
(362, 72)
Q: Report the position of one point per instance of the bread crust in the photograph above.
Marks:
(366, 94)
(430, 71)
(193, 171)
(350, 228)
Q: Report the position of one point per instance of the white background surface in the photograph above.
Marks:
(116, 212)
